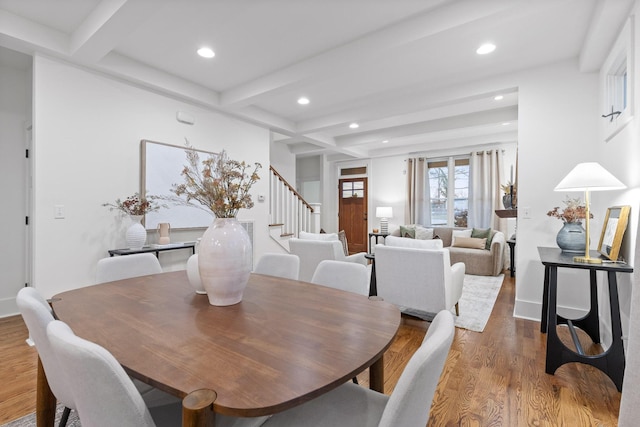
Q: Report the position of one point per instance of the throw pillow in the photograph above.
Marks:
(470, 242)
(459, 233)
(423, 233)
(483, 234)
(342, 236)
(408, 231)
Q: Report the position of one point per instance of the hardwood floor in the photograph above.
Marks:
(494, 378)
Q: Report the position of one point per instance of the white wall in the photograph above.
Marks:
(14, 102)
(283, 161)
(87, 132)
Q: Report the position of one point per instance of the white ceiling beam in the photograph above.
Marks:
(367, 49)
(107, 25)
(27, 36)
(607, 21)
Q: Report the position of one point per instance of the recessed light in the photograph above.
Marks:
(498, 97)
(303, 100)
(506, 124)
(385, 141)
(354, 125)
(206, 52)
(486, 48)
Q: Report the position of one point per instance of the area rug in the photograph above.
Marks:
(479, 294)
(30, 420)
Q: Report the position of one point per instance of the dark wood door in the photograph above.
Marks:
(352, 212)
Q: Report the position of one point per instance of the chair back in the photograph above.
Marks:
(104, 394)
(279, 265)
(37, 314)
(413, 278)
(346, 276)
(410, 402)
(126, 266)
(311, 252)
(413, 243)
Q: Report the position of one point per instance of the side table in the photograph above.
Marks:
(155, 248)
(512, 258)
(373, 287)
(612, 361)
(377, 236)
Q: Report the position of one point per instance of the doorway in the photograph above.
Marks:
(352, 212)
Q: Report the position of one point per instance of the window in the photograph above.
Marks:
(352, 189)
(449, 191)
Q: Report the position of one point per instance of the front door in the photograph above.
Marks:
(352, 212)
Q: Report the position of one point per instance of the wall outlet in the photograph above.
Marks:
(58, 212)
(526, 213)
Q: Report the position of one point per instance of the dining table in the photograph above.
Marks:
(285, 343)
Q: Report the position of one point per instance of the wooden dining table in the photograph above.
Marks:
(285, 343)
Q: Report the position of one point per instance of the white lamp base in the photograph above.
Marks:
(384, 226)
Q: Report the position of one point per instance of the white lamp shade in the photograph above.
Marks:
(384, 212)
(589, 176)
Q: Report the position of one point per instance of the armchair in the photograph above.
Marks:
(311, 252)
(418, 278)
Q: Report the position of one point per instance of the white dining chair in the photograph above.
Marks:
(37, 314)
(105, 395)
(346, 276)
(126, 266)
(351, 405)
(279, 265)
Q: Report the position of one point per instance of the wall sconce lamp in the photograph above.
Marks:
(384, 213)
(590, 176)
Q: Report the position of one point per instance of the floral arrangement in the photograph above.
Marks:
(135, 205)
(575, 211)
(506, 188)
(221, 185)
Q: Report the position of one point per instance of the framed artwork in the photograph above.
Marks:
(615, 224)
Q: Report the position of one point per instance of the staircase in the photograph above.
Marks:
(290, 213)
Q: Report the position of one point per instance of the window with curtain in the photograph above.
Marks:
(448, 187)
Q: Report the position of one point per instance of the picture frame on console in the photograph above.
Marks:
(613, 228)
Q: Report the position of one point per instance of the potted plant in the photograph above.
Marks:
(135, 207)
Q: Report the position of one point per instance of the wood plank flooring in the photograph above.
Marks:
(494, 378)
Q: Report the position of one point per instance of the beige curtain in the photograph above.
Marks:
(417, 200)
(485, 195)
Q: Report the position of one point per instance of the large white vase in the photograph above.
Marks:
(224, 261)
(136, 234)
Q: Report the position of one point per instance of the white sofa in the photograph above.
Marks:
(417, 274)
(313, 248)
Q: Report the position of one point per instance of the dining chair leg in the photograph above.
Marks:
(457, 310)
(65, 417)
(355, 380)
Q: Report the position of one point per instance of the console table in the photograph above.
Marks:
(155, 248)
(376, 235)
(612, 361)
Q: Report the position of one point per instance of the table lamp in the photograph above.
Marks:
(384, 213)
(590, 176)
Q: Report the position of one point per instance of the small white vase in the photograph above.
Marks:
(224, 261)
(136, 234)
(194, 275)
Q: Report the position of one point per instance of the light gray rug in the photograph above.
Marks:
(30, 420)
(479, 294)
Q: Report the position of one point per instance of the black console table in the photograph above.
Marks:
(155, 248)
(377, 236)
(612, 361)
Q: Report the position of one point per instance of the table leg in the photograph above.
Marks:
(591, 322)
(45, 400)
(545, 301)
(373, 286)
(615, 354)
(197, 409)
(554, 346)
(376, 375)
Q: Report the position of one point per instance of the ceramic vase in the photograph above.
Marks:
(164, 228)
(224, 261)
(136, 235)
(572, 238)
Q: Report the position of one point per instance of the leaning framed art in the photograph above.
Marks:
(615, 224)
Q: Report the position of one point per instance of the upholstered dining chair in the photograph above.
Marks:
(347, 276)
(351, 405)
(126, 266)
(105, 395)
(37, 314)
(419, 278)
(279, 265)
(311, 252)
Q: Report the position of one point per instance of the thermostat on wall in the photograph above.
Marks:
(183, 117)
